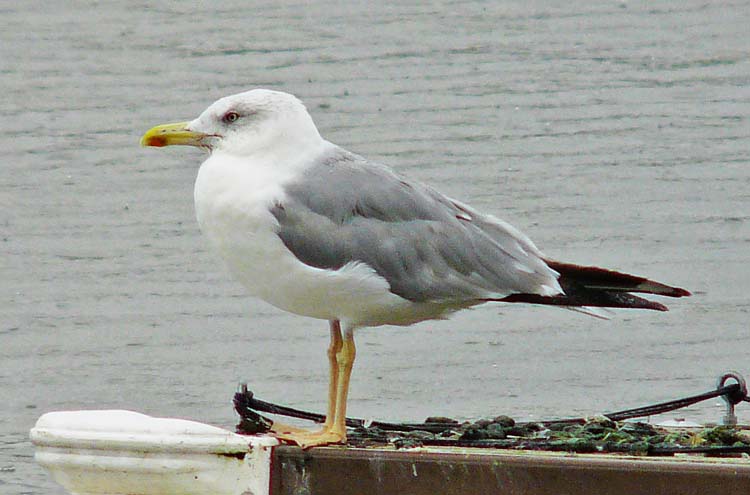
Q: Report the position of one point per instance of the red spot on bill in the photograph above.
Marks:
(157, 141)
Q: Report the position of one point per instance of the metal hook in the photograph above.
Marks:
(730, 419)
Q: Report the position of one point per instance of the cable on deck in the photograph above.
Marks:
(607, 433)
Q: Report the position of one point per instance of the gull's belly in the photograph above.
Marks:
(257, 257)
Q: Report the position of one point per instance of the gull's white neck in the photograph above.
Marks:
(234, 194)
(228, 180)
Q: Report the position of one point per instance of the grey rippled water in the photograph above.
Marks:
(613, 133)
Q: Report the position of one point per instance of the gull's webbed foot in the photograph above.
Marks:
(308, 439)
(278, 428)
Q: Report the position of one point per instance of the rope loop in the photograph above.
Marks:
(738, 394)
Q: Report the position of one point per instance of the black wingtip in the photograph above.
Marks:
(680, 292)
(595, 278)
(587, 298)
(657, 306)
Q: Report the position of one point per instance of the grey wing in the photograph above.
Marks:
(427, 246)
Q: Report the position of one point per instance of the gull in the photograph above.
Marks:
(319, 231)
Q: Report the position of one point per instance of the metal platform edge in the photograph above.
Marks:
(386, 471)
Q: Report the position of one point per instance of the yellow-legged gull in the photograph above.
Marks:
(318, 231)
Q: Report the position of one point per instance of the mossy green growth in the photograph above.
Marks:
(640, 438)
(722, 435)
(598, 434)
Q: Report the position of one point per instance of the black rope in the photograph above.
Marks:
(662, 407)
(246, 405)
(581, 435)
(245, 401)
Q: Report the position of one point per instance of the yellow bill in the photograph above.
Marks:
(172, 134)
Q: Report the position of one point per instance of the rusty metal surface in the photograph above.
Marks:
(345, 471)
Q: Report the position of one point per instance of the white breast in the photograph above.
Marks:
(232, 201)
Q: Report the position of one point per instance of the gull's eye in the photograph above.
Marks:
(230, 117)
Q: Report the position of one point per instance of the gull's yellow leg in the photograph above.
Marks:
(333, 374)
(345, 364)
(341, 353)
(288, 432)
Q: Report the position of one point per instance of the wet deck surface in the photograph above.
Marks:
(347, 471)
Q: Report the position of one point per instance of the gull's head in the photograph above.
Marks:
(244, 124)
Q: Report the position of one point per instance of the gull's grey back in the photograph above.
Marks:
(428, 247)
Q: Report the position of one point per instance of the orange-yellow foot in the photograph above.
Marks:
(307, 439)
(278, 428)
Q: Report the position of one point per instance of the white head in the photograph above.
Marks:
(244, 124)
